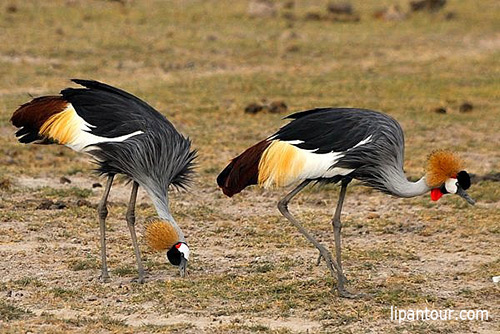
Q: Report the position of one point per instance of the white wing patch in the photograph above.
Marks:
(82, 138)
(293, 142)
(364, 141)
(283, 163)
(319, 165)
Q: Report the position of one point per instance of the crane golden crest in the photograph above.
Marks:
(442, 165)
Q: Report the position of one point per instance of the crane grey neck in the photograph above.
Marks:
(161, 203)
(401, 187)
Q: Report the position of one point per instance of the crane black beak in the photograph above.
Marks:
(462, 193)
(183, 266)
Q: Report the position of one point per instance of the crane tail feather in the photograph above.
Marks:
(243, 170)
(33, 118)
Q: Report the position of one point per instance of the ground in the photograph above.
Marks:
(201, 63)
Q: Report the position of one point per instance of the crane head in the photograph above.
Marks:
(162, 236)
(446, 176)
(178, 255)
(456, 184)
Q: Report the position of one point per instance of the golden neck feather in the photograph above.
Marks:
(160, 235)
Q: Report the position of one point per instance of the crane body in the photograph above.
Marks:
(331, 145)
(125, 136)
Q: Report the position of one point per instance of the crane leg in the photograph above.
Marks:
(131, 226)
(103, 213)
(330, 262)
(337, 227)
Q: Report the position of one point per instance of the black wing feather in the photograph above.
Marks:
(111, 111)
(157, 158)
(328, 129)
(340, 130)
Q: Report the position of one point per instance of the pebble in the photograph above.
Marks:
(64, 180)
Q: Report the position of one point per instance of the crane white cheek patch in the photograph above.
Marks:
(184, 249)
(451, 185)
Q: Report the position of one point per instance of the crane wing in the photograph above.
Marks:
(327, 130)
(109, 111)
(83, 117)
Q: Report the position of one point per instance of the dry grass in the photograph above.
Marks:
(201, 63)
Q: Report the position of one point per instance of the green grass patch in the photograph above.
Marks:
(66, 193)
(10, 312)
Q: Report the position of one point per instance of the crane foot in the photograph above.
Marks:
(104, 278)
(141, 279)
(346, 294)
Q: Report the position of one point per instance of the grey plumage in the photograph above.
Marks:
(325, 130)
(331, 145)
(126, 136)
(157, 157)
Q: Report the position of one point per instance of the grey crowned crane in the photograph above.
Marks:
(331, 145)
(125, 136)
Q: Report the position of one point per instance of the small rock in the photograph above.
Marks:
(253, 108)
(96, 185)
(289, 4)
(342, 12)
(91, 298)
(5, 184)
(427, 5)
(440, 110)
(84, 202)
(466, 107)
(340, 8)
(292, 48)
(58, 205)
(278, 107)
(372, 215)
(64, 180)
(11, 8)
(313, 16)
(211, 38)
(45, 204)
(450, 16)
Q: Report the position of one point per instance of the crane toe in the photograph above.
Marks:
(104, 278)
(346, 294)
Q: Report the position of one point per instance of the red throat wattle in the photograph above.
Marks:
(436, 194)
